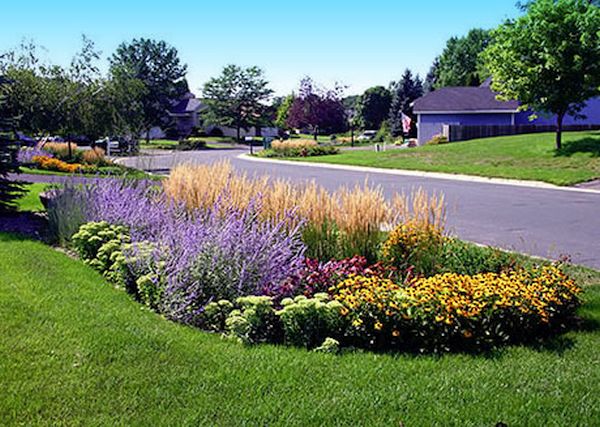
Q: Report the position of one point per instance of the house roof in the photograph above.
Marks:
(479, 99)
(187, 106)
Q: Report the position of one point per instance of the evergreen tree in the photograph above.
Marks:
(404, 93)
(9, 190)
(431, 77)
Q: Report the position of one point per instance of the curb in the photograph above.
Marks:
(422, 174)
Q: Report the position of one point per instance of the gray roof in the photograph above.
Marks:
(187, 105)
(462, 99)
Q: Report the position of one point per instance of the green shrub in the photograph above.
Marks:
(255, 322)
(437, 139)
(330, 345)
(92, 236)
(191, 144)
(319, 150)
(215, 315)
(383, 133)
(467, 258)
(150, 289)
(307, 322)
(415, 246)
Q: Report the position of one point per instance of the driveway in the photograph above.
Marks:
(537, 221)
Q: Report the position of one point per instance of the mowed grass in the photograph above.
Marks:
(74, 350)
(30, 202)
(527, 157)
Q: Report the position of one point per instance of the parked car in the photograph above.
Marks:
(367, 135)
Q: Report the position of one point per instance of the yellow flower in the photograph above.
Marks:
(378, 326)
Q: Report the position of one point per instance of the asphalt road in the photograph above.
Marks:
(541, 222)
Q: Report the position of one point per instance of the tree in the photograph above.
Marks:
(459, 64)
(404, 93)
(158, 67)
(283, 111)
(9, 190)
(373, 107)
(320, 110)
(548, 59)
(431, 77)
(237, 98)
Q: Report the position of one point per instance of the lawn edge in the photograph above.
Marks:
(424, 174)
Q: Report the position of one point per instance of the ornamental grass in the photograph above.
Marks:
(293, 144)
(344, 223)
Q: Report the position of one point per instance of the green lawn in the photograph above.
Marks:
(528, 157)
(107, 172)
(74, 350)
(170, 144)
(30, 202)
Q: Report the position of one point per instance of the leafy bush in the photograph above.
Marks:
(191, 144)
(91, 237)
(255, 322)
(467, 258)
(437, 139)
(458, 312)
(307, 322)
(215, 315)
(414, 247)
(298, 148)
(384, 134)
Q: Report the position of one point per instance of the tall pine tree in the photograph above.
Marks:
(9, 190)
(404, 93)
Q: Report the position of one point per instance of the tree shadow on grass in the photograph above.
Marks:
(590, 145)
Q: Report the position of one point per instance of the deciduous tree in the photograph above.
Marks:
(237, 98)
(373, 107)
(158, 67)
(548, 59)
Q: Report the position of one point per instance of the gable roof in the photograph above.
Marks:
(187, 106)
(479, 99)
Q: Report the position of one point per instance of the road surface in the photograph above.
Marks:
(542, 222)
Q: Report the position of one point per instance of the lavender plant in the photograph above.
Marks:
(204, 254)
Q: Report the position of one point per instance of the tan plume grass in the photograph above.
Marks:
(353, 216)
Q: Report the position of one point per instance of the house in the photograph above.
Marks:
(187, 115)
(461, 113)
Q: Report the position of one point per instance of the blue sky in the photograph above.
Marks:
(360, 43)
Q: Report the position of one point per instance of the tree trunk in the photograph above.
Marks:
(315, 132)
(559, 121)
(147, 137)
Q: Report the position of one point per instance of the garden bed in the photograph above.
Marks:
(264, 261)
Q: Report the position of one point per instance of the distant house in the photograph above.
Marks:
(470, 112)
(187, 116)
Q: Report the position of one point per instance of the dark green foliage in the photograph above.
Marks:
(548, 59)
(307, 322)
(467, 258)
(373, 107)
(459, 64)
(255, 321)
(404, 93)
(10, 190)
(237, 98)
(319, 150)
(158, 67)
